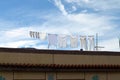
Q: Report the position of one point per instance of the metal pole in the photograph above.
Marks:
(96, 41)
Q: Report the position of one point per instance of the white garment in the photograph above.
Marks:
(83, 42)
(38, 35)
(74, 41)
(62, 41)
(52, 38)
(91, 43)
(43, 36)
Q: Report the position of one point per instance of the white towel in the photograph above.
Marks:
(91, 43)
(83, 42)
(52, 38)
(62, 41)
(43, 36)
(74, 41)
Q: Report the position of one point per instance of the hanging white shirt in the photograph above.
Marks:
(43, 36)
(74, 41)
(62, 41)
(52, 39)
(91, 43)
(83, 42)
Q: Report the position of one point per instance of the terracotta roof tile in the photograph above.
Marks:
(59, 65)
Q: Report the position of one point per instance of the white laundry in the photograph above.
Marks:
(43, 36)
(52, 39)
(91, 43)
(83, 42)
(74, 41)
(62, 41)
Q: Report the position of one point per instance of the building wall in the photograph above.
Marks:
(60, 75)
(6, 75)
(70, 75)
(29, 75)
(96, 76)
(42, 58)
(114, 76)
(27, 58)
(86, 59)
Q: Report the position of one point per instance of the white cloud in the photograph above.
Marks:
(105, 5)
(95, 5)
(78, 23)
(20, 38)
(60, 6)
(77, 1)
(14, 34)
(111, 45)
(88, 22)
(17, 44)
(74, 8)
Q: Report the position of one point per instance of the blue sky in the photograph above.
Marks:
(82, 17)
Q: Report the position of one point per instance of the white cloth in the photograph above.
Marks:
(52, 38)
(43, 36)
(83, 42)
(38, 35)
(74, 41)
(62, 41)
(91, 43)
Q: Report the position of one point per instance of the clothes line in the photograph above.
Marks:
(65, 40)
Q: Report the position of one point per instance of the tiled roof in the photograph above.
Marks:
(57, 67)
